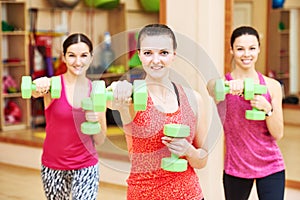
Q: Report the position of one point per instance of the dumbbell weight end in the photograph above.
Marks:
(140, 95)
(174, 164)
(55, 87)
(221, 89)
(255, 114)
(90, 128)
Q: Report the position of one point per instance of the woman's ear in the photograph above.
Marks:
(63, 57)
(231, 51)
(92, 57)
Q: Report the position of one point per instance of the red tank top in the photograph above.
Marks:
(65, 147)
(147, 180)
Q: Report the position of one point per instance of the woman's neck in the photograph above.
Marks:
(159, 88)
(242, 74)
(72, 79)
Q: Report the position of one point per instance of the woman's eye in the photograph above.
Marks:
(147, 53)
(240, 49)
(165, 53)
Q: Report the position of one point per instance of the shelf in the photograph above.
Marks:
(12, 95)
(284, 32)
(15, 126)
(282, 76)
(279, 54)
(14, 64)
(14, 61)
(12, 33)
(104, 75)
(284, 55)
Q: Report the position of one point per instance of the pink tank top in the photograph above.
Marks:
(65, 147)
(251, 152)
(147, 180)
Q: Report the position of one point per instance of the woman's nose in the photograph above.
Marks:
(246, 52)
(156, 58)
(78, 60)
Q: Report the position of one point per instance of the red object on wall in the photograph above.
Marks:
(12, 112)
(44, 44)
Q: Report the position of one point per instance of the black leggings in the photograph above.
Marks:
(268, 188)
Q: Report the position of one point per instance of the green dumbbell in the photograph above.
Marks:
(27, 86)
(97, 103)
(174, 163)
(221, 90)
(251, 89)
(99, 96)
(140, 95)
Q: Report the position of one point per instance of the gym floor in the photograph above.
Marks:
(23, 183)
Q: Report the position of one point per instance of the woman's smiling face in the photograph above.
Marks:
(78, 58)
(156, 54)
(245, 51)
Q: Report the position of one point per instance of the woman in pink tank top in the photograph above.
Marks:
(167, 103)
(70, 160)
(252, 152)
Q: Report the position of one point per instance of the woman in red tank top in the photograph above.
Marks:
(167, 103)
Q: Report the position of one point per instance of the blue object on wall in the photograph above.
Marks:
(277, 3)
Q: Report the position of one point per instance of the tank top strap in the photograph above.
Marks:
(63, 86)
(228, 76)
(176, 92)
(182, 98)
(261, 79)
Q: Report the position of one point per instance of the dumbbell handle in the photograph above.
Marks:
(33, 87)
(109, 95)
(227, 88)
(87, 103)
(174, 156)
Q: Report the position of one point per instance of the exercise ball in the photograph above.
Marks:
(277, 3)
(64, 3)
(150, 5)
(104, 4)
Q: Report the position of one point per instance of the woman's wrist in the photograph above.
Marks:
(202, 153)
(269, 110)
(197, 153)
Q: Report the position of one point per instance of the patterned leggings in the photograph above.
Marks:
(82, 183)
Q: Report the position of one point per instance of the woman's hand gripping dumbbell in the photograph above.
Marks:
(125, 93)
(250, 91)
(40, 86)
(174, 139)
